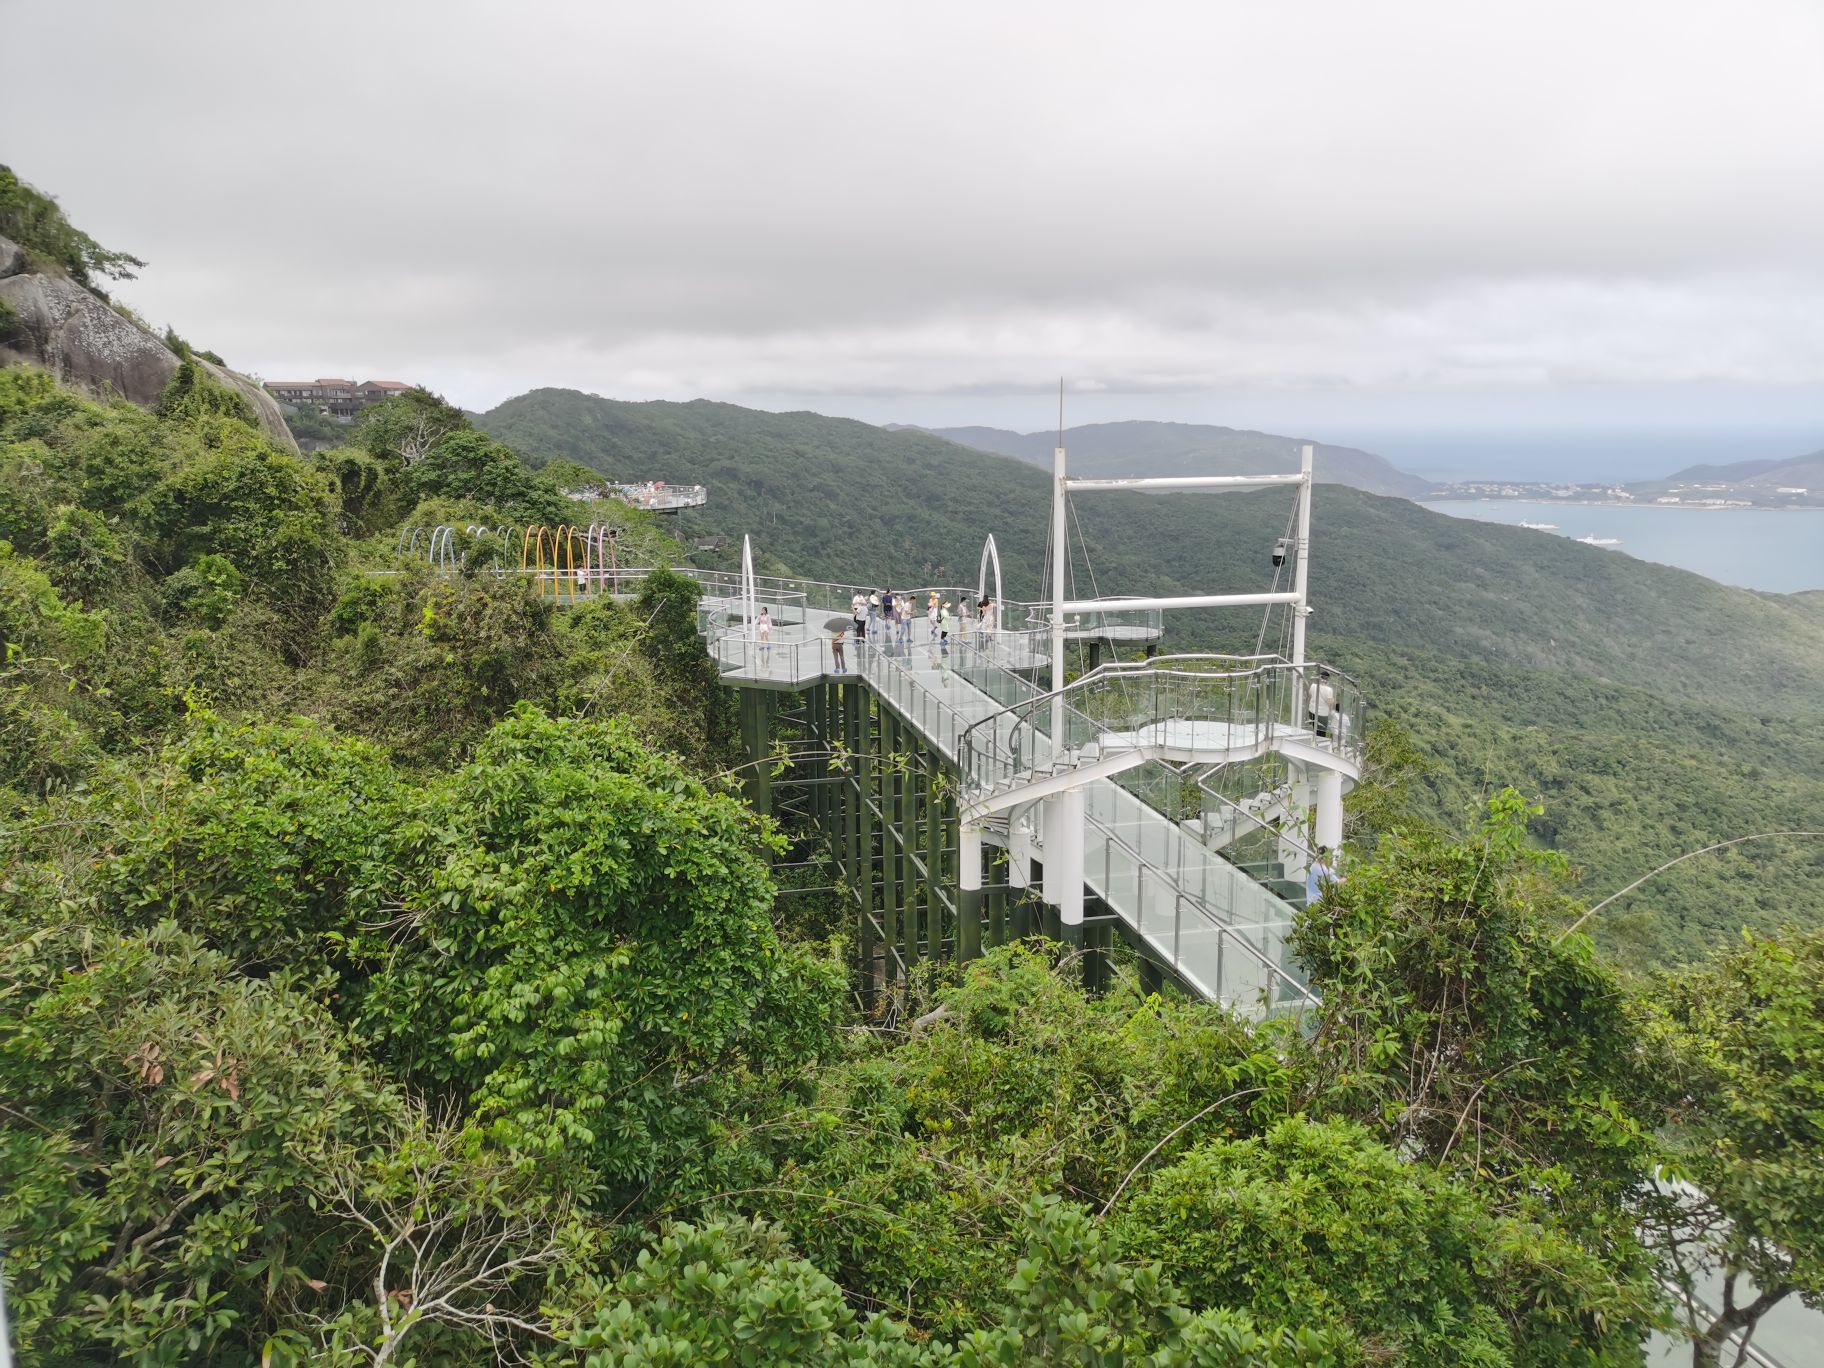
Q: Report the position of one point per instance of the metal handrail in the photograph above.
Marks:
(1181, 897)
(1265, 679)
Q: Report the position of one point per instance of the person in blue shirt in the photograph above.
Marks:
(1321, 875)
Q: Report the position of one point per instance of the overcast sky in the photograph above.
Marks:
(1480, 235)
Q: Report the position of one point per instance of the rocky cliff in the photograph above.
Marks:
(53, 323)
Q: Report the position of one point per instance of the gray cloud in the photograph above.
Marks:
(912, 201)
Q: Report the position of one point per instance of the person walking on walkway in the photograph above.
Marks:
(841, 667)
(765, 628)
(987, 614)
(931, 615)
(858, 614)
(946, 627)
(874, 612)
(908, 606)
(1320, 876)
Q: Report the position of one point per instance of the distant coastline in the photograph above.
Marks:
(1623, 503)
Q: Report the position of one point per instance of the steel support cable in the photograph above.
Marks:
(1266, 617)
(1680, 859)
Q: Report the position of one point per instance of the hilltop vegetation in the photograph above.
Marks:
(1651, 710)
(390, 972)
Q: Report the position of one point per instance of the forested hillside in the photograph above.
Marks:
(393, 973)
(1108, 450)
(390, 973)
(1652, 710)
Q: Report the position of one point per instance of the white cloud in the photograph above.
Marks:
(942, 199)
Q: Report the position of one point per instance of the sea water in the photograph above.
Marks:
(1781, 551)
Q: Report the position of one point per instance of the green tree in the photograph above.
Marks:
(1320, 1223)
(157, 1208)
(194, 395)
(264, 838)
(1459, 1024)
(582, 949)
(84, 555)
(473, 466)
(267, 512)
(402, 428)
(34, 220)
(1748, 1135)
(667, 608)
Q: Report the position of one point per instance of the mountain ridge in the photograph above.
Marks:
(1143, 447)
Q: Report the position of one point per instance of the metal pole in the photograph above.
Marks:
(1300, 578)
(1060, 567)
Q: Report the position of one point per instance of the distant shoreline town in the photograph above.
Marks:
(1658, 494)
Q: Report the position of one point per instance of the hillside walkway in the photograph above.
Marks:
(1222, 932)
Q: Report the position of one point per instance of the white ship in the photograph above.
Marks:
(1538, 527)
(1600, 541)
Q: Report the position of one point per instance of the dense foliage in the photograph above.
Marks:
(390, 973)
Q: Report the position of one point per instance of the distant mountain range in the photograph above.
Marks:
(1800, 472)
(1117, 450)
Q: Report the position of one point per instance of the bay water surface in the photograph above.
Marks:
(1753, 548)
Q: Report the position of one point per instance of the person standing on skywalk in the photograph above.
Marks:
(1320, 876)
(1321, 706)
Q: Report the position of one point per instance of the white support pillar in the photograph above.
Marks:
(1302, 565)
(1329, 808)
(969, 857)
(1064, 854)
(1019, 847)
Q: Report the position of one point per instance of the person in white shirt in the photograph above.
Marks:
(1321, 875)
(1320, 707)
(765, 627)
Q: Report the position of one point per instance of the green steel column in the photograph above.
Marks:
(846, 794)
(1152, 979)
(934, 857)
(892, 869)
(866, 769)
(917, 804)
(764, 701)
(994, 888)
(905, 818)
(814, 716)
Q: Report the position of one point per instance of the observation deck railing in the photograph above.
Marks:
(1179, 706)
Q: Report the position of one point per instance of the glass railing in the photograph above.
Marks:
(1219, 929)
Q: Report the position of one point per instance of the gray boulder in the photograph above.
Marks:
(12, 258)
(62, 328)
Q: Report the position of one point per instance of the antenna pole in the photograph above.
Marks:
(1060, 568)
(1300, 576)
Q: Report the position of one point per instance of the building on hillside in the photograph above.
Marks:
(332, 397)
